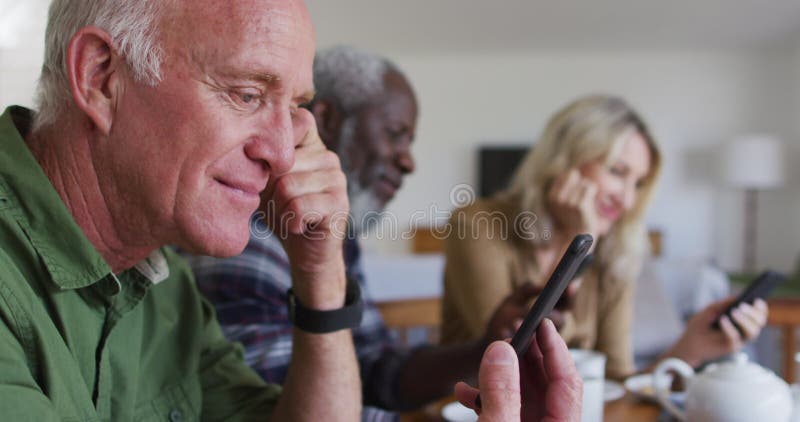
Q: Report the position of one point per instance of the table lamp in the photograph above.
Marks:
(752, 162)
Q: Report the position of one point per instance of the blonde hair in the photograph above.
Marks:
(587, 129)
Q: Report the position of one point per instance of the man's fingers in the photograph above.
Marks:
(312, 213)
(557, 317)
(314, 160)
(565, 388)
(306, 161)
(498, 379)
(517, 323)
(524, 293)
(304, 120)
(296, 185)
(557, 360)
(466, 395)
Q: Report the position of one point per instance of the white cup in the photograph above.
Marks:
(592, 369)
(796, 401)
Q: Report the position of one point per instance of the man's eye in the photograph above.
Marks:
(245, 98)
(396, 133)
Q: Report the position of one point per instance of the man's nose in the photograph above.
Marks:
(275, 142)
(405, 160)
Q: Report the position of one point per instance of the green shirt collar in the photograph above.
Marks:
(26, 192)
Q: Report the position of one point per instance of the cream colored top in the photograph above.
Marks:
(486, 260)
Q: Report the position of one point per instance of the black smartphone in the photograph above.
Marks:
(558, 282)
(760, 288)
(565, 302)
(586, 262)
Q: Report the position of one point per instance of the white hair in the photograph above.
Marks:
(349, 77)
(133, 27)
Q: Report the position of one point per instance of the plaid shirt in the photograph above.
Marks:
(249, 294)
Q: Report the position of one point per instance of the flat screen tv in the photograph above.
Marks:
(496, 166)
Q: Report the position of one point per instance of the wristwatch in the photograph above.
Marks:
(321, 322)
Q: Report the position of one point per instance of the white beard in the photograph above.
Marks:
(366, 208)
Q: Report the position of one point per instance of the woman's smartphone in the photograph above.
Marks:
(760, 288)
(559, 280)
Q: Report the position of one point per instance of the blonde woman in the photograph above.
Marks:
(592, 171)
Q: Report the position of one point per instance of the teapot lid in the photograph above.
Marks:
(739, 369)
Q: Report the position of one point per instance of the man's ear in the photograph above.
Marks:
(329, 122)
(93, 69)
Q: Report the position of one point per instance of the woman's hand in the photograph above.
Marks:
(702, 342)
(571, 199)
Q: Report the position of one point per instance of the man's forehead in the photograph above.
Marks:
(261, 36)
(240, 17)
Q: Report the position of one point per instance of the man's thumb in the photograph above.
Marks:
(498, 382)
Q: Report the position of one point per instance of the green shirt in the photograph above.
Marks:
(78, 343)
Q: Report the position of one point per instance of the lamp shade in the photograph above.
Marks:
(753, 162)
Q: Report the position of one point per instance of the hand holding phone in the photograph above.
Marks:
(760, 288)
(558, 282)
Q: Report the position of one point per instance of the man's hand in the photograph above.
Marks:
(701, 342)
(571, 199)
(546, 388)
(307, 208)
(508, 316)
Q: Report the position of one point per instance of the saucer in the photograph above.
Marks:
(457, 412)
(612, 390)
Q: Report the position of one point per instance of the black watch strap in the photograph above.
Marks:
(321, 322)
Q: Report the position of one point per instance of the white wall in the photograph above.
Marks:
(779, 217)
(693, 101)
(20, 64)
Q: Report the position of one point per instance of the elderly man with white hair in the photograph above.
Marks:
(151, 132)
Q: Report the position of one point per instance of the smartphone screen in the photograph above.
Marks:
(558, 282)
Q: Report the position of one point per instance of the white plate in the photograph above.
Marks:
(457, 412)
(612, 390)
(642, 386)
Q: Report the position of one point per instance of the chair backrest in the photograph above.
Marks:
(406, 315)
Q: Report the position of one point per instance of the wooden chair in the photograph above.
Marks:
(403, 316)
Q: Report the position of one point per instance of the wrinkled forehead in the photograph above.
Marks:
(240, 30)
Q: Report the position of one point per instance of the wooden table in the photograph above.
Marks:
(626, 409)
(785, 314)
(630, 409)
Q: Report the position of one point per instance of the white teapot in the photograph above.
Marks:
(732, 391)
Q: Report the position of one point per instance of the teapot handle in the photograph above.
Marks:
(662, 383)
